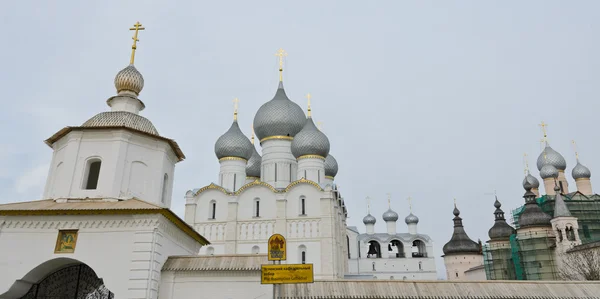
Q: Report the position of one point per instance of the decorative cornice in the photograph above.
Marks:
(210, 187)
(255, 183)
(329, 177)
(232, 159)
(303, 181)
(255, 178)
(280, 137)
(311, 157)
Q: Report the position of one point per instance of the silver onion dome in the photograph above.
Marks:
(411, 219)
(552, 157)
(531, 180)
(369, 219)
(581, 172)
(331, 166)
(548, 171)
(390, 215)
(310, 141)
(279, 117)
(129, 79)
(253, 166)
(233, 144)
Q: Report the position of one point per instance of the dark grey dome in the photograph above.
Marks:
(532, 180)
(369, 219)
(279, 117)
(121, 119)
(310, 141)
(460, 243)
(552, 157)
(532, 215)
(253, 166)
(411, 219)
(233, 144)
(331, 166)
(581, 172)
(501, 230)
(390, 215)
(548, 171)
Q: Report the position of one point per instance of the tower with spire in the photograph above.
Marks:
(581, 175)
(499, 265)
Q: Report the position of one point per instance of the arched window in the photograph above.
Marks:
(418, 249)
(559, 233)
(163, 198)
(302, 205)
(456, 274)
(570, 233)
(391, 277)
(213, 209)
(374, 250)
(348, 245)
(92, 174)
(210, 250)
(255, 249)
(396, 248)
(302, 253)
(257, 207)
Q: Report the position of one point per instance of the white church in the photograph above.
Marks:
(104, 228)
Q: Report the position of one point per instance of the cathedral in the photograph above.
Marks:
(104, 227)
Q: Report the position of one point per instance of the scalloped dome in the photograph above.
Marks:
(369, 219)
(581, 172)
(533, 181)
(279, 117)
(390, 215)
(460, 242)
(253, 167)
(548, 171)
(310, 141)
(411, 219)
(501, 230)
(129, 79)
(233, 144)
(121, 119)
(552, 157)
(331, 166)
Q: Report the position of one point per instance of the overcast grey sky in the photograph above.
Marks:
(429, 99)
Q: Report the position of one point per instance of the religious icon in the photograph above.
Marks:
(65, 243)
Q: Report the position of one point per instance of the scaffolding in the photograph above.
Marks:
(533, 255)
(498, 261)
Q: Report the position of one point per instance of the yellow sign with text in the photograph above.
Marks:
(276, 247)
(287, 273)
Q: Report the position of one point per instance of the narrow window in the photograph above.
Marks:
(374, 266)
(257, 208)
(275, 172)
(358, 248)
(163, 199)
(255, 249)
(234, 178)
(305, 175)
(348, 245)
(456, 274)
(302, 251)
(303, 205)
(304, 257)
(93, 174)
(290, 172)
(319, 176)
(560, 183)
(213, 210)
(420, 266)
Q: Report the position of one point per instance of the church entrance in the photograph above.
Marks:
(71, 282)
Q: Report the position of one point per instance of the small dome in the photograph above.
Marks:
(121, 119)
(581, 172)
(331, 166)
(390, 215)
(253, 166)
(129, 79)
(369, 219)
(233, 144)
(411, 219)
(310, 141)
(552, 157)
(460, 243)
(531, 180)
(548, 171)
(501, 230)
(279, 117)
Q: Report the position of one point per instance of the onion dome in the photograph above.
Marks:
(411, 219)
(532, 215)
(369, 219)
(581, 172)
(279, 117)
(552, 157)
(331, 166)
(533, 181)
(310, 141)
(560, 208)
(121, 119)
(460, 243)
(548, 171)
(129, 79)
(233, 144)
(390, 215)
(253, 166)
(501, 230)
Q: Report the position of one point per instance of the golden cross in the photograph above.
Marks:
(575, 149)
(281, 53)
(252, 139)
(368, 205)
(389, 196)
(137, 27)
(235, 108)
(409, 203)
(544, 125)
(526, 163)
(308, 96)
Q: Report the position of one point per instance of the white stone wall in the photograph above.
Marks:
(278, 167)
(132, 166)
(214, 284)
(456, 265)
(476, 274)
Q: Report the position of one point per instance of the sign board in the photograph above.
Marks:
(276, 247)
(287, 273)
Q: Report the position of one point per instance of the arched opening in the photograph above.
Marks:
(210, 250)
(255, 249)
(374, 250)
(60, 278)
(420, 266)
(559, 234)
(570, 233)
(302, 254)
(212, 208)
(165, 183)
(92, 174)
(419, 249)
(396, 249)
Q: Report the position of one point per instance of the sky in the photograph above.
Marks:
(434, 100)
